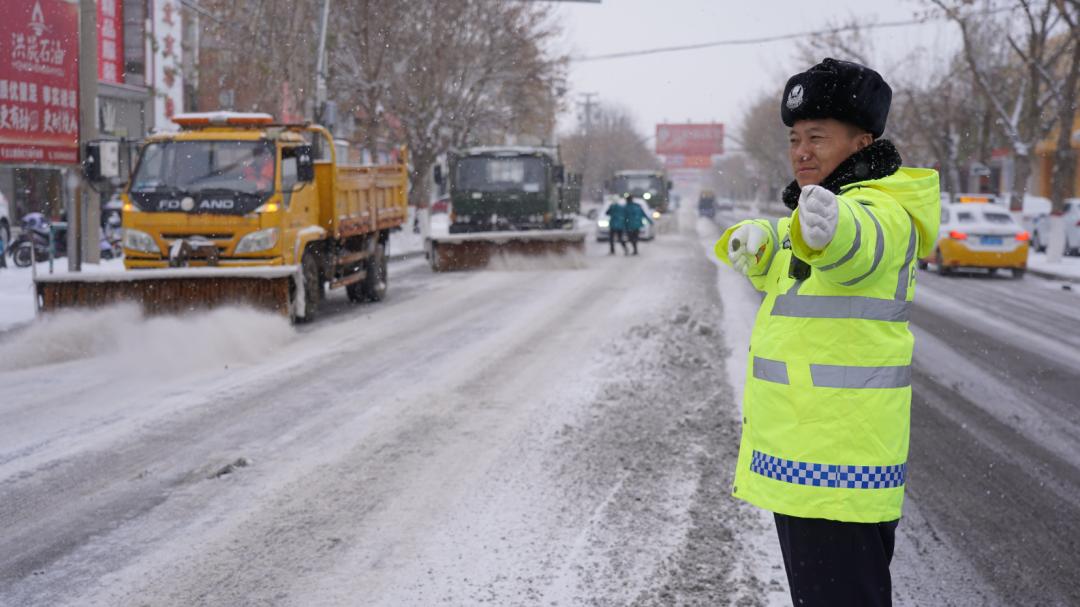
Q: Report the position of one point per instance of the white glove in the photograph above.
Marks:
(818, 213)
(746, 247)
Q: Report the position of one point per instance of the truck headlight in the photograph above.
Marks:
(137, 240)
(258, 241)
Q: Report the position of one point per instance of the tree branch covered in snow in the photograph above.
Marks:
(1038, 49)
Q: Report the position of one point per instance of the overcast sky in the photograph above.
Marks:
(716, 83)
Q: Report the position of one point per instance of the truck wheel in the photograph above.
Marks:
(309, 271)
(374, 285)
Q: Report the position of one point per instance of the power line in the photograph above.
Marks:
(765, 39)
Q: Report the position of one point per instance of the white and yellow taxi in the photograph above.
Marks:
(979, 235)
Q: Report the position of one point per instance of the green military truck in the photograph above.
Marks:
(507, 199)
(511, 188)
(649, 185)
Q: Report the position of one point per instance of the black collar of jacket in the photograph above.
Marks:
(877, 160)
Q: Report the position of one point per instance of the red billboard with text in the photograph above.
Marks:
(690, 139)
(39, 82)
(110, 33)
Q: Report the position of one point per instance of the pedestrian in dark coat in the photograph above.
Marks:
(636, 215)
(616, 225)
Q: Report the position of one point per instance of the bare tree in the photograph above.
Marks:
(734, 178)
(1024, 114)
(1066, 90)
(764, 140)
(371, 42)
(611, 144)
(260, 51)
(471, 69)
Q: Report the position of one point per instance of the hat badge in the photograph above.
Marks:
(795, 97)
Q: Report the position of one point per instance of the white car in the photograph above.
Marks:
(648, 231)
(1041, 231)
(5, 221)
(974, 235)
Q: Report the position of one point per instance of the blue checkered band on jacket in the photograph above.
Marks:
(828, 475)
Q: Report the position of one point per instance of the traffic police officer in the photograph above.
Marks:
(828, 388)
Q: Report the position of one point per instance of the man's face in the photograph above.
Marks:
(817, 147)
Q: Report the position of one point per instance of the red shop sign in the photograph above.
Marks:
(110, 32)
(39, 82)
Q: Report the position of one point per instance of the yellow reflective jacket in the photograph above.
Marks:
(826, 410)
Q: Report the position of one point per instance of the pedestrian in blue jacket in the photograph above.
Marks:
(616, 225)
(636, 215)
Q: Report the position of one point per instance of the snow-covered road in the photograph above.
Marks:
(554, 435)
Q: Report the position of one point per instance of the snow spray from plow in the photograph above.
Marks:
(477, 250)
(160, 345)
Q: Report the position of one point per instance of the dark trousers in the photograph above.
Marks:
(611, 240)
(633, 234)
(833, 563)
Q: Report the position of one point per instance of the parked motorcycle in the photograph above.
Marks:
(33, 240)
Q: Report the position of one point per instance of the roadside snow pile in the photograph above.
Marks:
(165, 344)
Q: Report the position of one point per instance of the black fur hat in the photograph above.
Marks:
(843, 90)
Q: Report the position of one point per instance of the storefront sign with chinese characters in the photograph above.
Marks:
(167, 81)
(39, 82)
(110, 30)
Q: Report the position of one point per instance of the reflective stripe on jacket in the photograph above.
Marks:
(828, 388)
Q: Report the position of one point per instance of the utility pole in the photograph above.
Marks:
(587, 104)
(320, 64)
(85, 206)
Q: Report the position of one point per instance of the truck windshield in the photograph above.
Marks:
(638, 184)
(193, 167)
(480, 174)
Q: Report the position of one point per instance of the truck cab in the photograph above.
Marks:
(651, 186)
(510, 188)
(229, 189)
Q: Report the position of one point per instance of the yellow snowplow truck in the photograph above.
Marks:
(234, 209)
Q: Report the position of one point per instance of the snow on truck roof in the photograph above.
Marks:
(514, 150)
(193, 119)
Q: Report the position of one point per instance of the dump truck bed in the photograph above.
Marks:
(366, 198)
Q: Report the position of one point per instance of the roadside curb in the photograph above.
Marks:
(1053, 276)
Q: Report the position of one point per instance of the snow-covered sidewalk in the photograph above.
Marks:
(17, 288)
(1067, 269)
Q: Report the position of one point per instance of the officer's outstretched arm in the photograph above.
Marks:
(750, 247)
(843, 239)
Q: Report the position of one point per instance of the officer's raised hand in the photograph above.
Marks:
(746, 247)
(818, 212)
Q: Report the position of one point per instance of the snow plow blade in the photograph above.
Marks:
(169, 291)
(476, 250)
